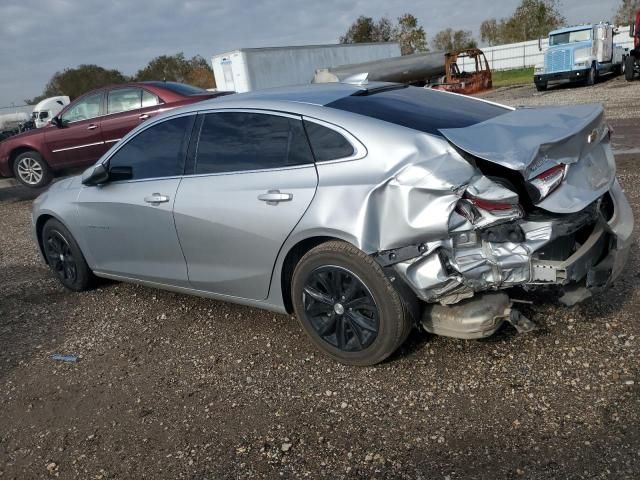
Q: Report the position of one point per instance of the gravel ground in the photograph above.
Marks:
(170, 386)
(620, 98)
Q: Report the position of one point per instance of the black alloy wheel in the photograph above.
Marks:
(340, 308)
(64, 257)
(60, 257)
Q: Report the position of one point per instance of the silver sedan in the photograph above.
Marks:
(367, 210)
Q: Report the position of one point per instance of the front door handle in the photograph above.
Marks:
(273, 197)
(144, 116)
(92, 126)
(156, 199)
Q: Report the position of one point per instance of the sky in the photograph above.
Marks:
(40, 37)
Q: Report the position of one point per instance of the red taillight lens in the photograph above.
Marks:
(547, 182)
(490, 205)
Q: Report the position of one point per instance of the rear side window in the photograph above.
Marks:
(157, 151)
(422, 109)
(239, 141)
(124, 99)
(327, 144)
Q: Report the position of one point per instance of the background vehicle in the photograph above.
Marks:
(11, 123)
(632, 65)
(366, 210)
(48, 108)
(88, 127)
(251, 69)
(579, 53)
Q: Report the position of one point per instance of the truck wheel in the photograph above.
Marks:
(541, 87)
(347, 306)
(591, 76)
(31, 170)
(629, 64)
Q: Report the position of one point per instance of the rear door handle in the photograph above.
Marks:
(144, 116)
(273, 197)
(156, 199)
(92, 126)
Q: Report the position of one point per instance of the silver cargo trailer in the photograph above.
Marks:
(251, 69)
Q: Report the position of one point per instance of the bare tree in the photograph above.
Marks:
(449, 40)
(626, 12)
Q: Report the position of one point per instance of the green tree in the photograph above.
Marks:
(449, 40)
(176, 68)
(77, 81)
(411, 35)
(625, 14)
(490, 32)
(407, 32)
(532, 19)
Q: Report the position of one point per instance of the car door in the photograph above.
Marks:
(128, 222)
(78, 139)
(253, 179)
(127, 107)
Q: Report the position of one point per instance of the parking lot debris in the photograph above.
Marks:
(64, 358)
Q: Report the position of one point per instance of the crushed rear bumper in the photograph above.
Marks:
(597, 248)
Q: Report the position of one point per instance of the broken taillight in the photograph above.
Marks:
(546, 182)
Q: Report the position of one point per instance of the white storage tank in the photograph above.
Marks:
(250, 69)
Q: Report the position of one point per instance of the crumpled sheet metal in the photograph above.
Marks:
(531, 141)
(416, 203)
(528, 139)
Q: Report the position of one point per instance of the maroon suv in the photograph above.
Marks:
(88, 127)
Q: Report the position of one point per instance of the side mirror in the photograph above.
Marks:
(95, 175)
(120, 173)
(632, 29)
(57, 121)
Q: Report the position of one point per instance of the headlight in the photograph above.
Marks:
(539, 69)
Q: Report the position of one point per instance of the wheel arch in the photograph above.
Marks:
(15, 152)
(293, 256)
(39, 225)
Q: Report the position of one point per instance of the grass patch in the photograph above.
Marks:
(507, 78)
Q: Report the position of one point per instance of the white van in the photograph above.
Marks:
(47, 109)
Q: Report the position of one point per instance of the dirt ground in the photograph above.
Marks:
(171, 386)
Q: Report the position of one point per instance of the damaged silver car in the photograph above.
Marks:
(367, 210)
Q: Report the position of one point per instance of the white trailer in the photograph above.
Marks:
(250, 69)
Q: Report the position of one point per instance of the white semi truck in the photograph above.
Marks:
(580, 53)
(48, 108)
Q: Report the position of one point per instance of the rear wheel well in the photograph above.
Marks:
(291, 260)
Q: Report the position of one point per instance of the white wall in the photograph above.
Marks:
(526, 54)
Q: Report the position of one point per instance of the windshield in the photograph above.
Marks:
(570, 37)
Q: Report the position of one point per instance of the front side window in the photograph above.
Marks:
(124, 99)
(86, 108)
(239, 141)
(327, 144)
(157, 151)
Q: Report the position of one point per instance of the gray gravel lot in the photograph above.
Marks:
(170, 386)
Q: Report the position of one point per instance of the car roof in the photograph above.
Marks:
(315, 94)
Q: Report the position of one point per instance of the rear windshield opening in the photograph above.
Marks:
(421, 109)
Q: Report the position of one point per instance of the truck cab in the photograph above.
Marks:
(579, 54)
(48, 108)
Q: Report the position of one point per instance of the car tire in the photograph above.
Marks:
(347, 306)
(629, 68)
(64, 257)
(31, 170)
(541, 87)
(592, 75)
